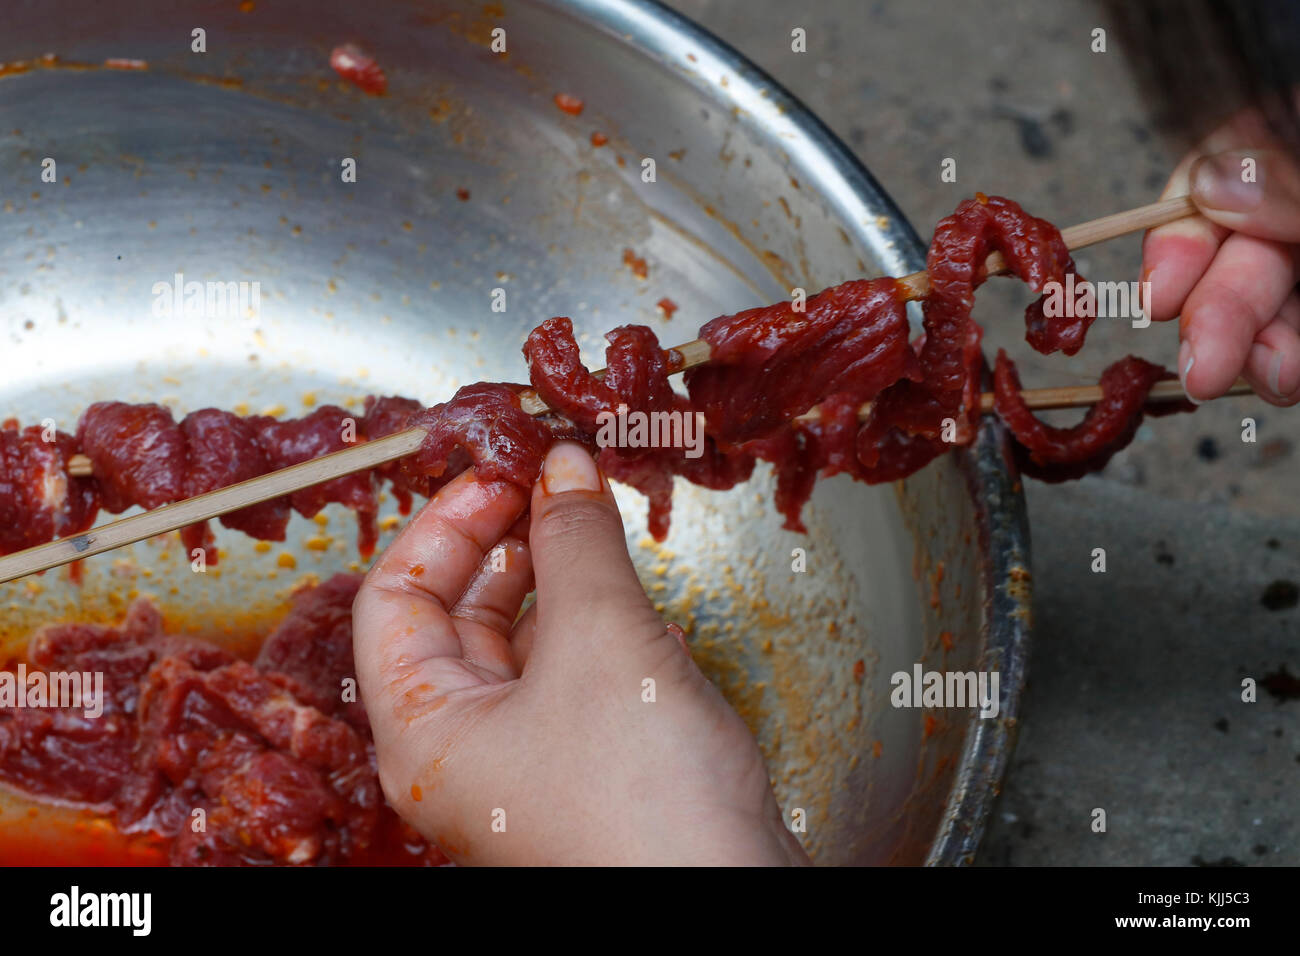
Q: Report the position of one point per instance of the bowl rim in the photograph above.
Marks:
(988, 466)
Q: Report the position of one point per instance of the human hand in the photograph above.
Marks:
(1231, 271)
(542, 719)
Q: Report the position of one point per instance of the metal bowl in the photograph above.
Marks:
(225, 166)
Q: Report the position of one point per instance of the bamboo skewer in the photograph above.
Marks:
(119, 534)
(367, 455)
(1068, 396)
(1039, 399)
(1082, 396)
(370, 454)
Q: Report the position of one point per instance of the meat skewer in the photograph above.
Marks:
(190, 511)
(858, 351)
(367, 455)
(914, 287)
(1042, 399)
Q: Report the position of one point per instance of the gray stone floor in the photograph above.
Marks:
(1134, 701)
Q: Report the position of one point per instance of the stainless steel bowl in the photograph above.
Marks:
(225, 166)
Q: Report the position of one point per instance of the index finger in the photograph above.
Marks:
(1176, 255)
(401, 612)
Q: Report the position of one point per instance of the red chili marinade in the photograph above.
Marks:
(283, 769)
(847, 346)
(359, 68)
(569, 104)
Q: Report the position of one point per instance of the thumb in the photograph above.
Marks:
(581, 566)
(1255, 191)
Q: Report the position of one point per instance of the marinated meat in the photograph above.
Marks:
(224, 450)
(847, 346)
(768, 365)
(326, 430)
(138, 452)
(281, 766)
(39, 500)
(1059, 454)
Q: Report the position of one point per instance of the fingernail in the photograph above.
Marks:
(1147, 289)
(1275, 373)
(1218, 182)
(1272, 360)
(1185, 362)
(570, 467)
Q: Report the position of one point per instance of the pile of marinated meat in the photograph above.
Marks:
(282, 768)
(849, 346)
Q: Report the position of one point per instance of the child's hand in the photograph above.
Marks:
(539, 726)
(1231, 272)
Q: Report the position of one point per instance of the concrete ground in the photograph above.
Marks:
(1134, 698)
